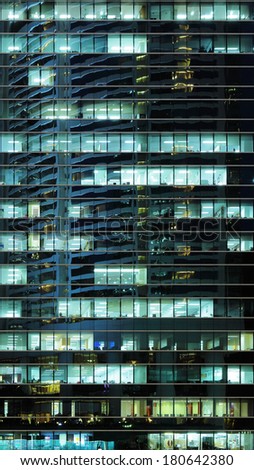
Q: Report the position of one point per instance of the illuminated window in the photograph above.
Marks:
(120, 275)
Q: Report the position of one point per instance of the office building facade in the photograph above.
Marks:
(126, 212)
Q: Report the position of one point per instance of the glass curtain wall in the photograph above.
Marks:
(126, 225)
